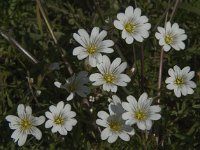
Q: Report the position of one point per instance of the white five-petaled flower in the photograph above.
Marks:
(114, 126)
(180, 81)
(133, 25)
(171, 36)
(110, 75)
(25, 124)
(76, 84)
(92, 46)
(140, 112)
(61, 118)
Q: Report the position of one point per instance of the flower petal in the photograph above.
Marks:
(102, 123)
(38, 120)
(13, 119)
(141, 125)
(21, 110)
(103, 115)
(148, 124)
(22, 139)
(79, 39)
(71, 96)
(129, 11)
(105, 133)
(129, 40)
(48, 124)
(155, 108)
(124, 136)
(36, 132)
(112, 138)
(28, 110)
(118, 25)
(155, 116)
(78, 50)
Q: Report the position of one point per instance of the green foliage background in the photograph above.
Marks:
(179, 127)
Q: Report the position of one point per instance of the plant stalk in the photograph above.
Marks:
(68, 66)
(16, 44)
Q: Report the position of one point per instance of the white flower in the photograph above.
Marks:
(25, 124)
(114, 127)
(171, 36)
(110, 75)
(140, 112)
(92, 46)
(133, 25)
(180, 81)
(76, 84)
(61, 118)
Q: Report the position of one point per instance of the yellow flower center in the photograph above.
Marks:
(25, 124)
(179, 81)
(115, 126)
(140, 115)
(109, 78)
(168, 39)
(72, 87)
(130, 27)
(58, 120)
(91, 49)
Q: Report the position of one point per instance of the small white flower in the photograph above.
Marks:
(61, 118)
(92, 46)
(91, 99)
(114, 127)
(25, 124)
(110, 75)
(76, 84)
(140, 112)
(38, 92)
(133, 25)
(171, 36)
(180, 81)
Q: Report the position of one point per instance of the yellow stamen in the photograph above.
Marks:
(25, 124)
(140, 115)
(115, 126)
(91, 49)
(168, 39)
(58, 120)
(179, 81)
(130, 27)
(109, 78)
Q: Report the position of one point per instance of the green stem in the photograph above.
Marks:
(31, 89)
(142, 68)
(162, 51)
(46, 21)
(145, 140)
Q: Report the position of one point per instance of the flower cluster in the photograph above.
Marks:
(122, 115)
(172, 37)
(61, 119)
(119, 121)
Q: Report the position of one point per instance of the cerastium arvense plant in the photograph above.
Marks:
(123, 118)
